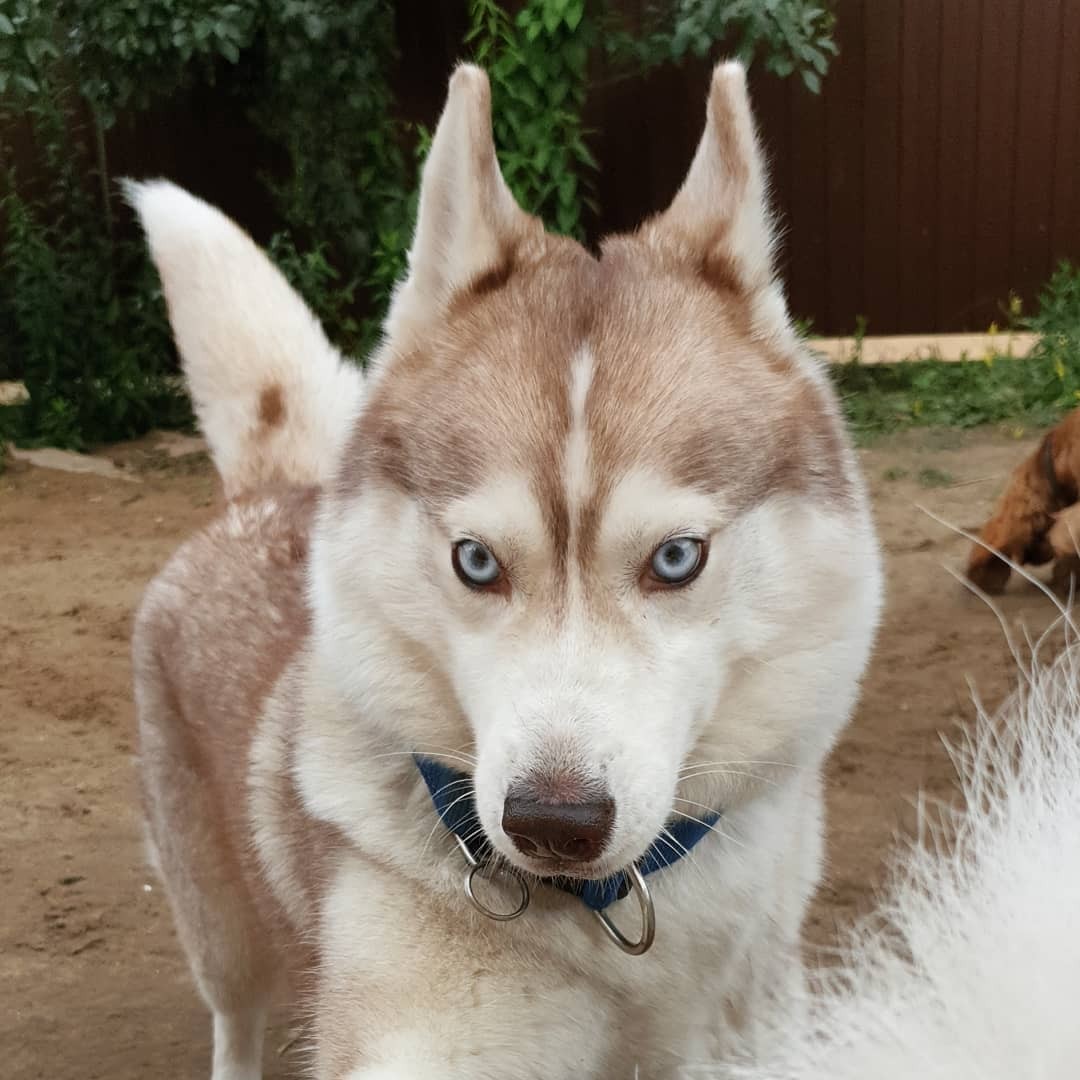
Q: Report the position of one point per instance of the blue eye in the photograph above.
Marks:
(677, 561)
(475, 564)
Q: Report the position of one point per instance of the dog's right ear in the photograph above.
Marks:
(468, 226)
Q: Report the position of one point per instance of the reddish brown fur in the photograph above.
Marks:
(1064, 534)
(1026, 511)
(205, 669)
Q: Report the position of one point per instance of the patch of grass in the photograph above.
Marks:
(1035, 390)
(894, 473)
(934, 478)
(884, 398)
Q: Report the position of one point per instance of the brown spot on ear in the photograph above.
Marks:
(271, 406)
(719, 271)
(491, 280)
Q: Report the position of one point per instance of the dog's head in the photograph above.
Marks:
(598, 527)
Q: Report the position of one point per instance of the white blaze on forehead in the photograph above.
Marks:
(576, 454)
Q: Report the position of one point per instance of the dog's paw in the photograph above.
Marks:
(987, 571)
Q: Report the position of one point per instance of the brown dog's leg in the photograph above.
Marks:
(1015, 531)
(1066, 576)
(1064, 534)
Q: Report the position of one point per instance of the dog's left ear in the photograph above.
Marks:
(469, 229)
(719, 221)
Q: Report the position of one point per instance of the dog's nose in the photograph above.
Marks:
(573, 832)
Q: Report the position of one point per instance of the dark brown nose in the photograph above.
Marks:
(573, 832)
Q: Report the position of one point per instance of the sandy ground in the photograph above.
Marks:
(92, 983)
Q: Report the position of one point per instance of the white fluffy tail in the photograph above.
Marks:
(971, 968)
(273, 396)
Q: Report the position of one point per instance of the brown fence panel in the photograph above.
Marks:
(936, 173)
(957, 160)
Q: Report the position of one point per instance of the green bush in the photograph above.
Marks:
(792, 36)
(80, 310)
(95, 358)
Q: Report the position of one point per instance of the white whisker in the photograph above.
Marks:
(681, 851)
(712, 828)
(700, 806)
(440, 820)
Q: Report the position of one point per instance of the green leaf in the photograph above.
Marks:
(812, 81)
(583, 154)
(6, 25)
(780, 65)
(37, 48)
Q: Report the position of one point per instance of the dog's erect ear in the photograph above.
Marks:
(468, 225)
(719, 221)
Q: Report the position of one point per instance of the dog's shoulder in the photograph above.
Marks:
(228, 611)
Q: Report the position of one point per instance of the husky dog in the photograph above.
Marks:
(970, 968)
(561, 606)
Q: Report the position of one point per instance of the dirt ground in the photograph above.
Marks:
(92, 983)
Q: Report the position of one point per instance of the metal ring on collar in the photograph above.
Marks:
(474, 868)
(648, 918)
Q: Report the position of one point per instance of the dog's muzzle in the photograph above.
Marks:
(457, 811)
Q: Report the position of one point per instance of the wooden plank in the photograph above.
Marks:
(920, 101)
(899, 348)
(881, 166)
(808, 251)
(844, 105)
(618, 138)
(1065, 214)
(1033, 153)
(960, 37)
(995, 177)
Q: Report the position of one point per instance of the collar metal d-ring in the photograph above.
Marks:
(475, 867)
(648, 917)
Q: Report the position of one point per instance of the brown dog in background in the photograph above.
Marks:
(1038, 517)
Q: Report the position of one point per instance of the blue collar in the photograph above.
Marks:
(452, 795)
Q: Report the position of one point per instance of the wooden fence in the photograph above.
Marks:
(937, 172)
